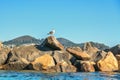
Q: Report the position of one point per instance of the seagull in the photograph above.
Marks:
(51, 32)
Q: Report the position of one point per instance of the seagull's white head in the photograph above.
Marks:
(53, 31)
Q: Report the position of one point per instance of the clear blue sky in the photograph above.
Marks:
(77, 20)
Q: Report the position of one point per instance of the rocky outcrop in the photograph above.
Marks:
(115, 49)
(51, 56)
(29, 52)
(108, 63)
(18, 58)
(52, 43)
(46, 61)
(79, 54)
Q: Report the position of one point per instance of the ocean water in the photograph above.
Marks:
(32, 75)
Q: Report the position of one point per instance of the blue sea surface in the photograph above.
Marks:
(32, 75)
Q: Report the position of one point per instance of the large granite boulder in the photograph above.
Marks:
(79, 54)
(62, 61)
(19, 64)
(108, 63)
(85, 66)
(60, 56)
(30, 52)
(52, 43)
(20, 57)
(46, 61)
(116, 49)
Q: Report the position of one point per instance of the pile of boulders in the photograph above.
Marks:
(51, 56)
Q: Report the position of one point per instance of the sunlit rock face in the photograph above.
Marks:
(79, 54)
(52, 43)
(108, 63)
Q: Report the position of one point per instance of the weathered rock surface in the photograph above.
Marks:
(76, 49)
(20, 64)
(46, 61)
(4, 55)
(108, 63)
(52, 43)
(62, 60)
(60, 56)
(85, 66)
(47, 52)
(90, 50)
(30, 53)
(51, 56)
(99, 55)
(79, 54)
(65, 67)
(68, 68)
(18, 58)
(62, 67)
